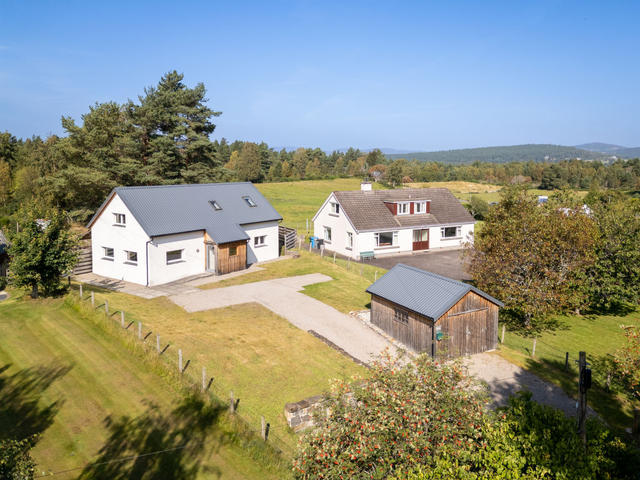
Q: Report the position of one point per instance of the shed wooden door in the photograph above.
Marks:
(421, 239)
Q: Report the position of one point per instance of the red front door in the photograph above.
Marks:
(421, 239)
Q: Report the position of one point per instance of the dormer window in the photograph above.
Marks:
(403, 208)
(216, 206)
(420, 207)
(250, 201)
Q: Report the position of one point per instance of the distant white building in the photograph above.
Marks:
(158, 234)
(384, 222)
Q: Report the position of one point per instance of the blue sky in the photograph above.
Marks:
(408, 75)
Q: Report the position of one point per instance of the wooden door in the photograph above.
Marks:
(421, 239)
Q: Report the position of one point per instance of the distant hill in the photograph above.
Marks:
(628, 152)
(601, 147)
(514, 153)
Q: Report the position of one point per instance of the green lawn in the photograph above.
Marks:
(299, 201)
(346, 293)
(247, 349)
(595, 335)
(77, 379)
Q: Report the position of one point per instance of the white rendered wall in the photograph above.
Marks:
(436, 240)
(192, 262)
(130, 237)
(270, 249)
(339, 227)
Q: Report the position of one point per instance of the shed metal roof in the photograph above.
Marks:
(423, 292)
(170, 209)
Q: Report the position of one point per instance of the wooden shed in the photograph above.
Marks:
(434, 314)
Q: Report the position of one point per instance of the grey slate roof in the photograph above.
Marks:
(423, 292)
(167, 209)
(367, 210)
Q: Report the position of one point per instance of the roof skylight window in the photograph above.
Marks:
(250, 201)
(215, 205)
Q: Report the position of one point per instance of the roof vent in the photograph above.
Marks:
(365, 186)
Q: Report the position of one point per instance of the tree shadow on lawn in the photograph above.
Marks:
(160, 445)
(22, 410)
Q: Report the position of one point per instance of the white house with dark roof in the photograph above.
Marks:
(158, 234)
(382, 222)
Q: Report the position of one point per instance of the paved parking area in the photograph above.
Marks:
(443, 262)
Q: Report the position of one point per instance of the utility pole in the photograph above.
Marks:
(584, 383)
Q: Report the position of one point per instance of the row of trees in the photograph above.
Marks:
(164, 137)
(565, 255)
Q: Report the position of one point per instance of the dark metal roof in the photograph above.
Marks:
(169, 209)
(367, 210)
(423, 292)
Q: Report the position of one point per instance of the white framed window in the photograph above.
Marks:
(259, 241)
(216, 206)
(451, 232)
(107, 253)
(327, 234)
(349, 240)
(174, 256)
(132, 257)
(250, 201)
(420, 207)
(334, 208)
(403, 208)
(386, 239)
(119, 219)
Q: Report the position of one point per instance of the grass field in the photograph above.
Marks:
(346, 293)
(299, 201)
(595, 335)
(247, 349)
(73, 377)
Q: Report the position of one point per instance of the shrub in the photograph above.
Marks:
(404, 415)
(3, 283)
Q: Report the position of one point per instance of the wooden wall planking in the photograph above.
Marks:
(231, 263)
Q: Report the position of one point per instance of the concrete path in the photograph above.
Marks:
(3, 296)
(283, 297)
(505, 379)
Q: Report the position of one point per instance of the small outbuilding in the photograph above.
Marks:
(434, 314)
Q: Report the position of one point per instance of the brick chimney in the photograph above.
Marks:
(365, 186)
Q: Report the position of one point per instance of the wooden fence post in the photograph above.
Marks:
(608, 381)
(204, 379)
(360, 270)
(503, 329)
(375, 277)
(180, 360)
(69, 280)
(80, 291)
(307, 224)
(348, 263)
(93, 300)
(106, 307)
(533, 351)
(121, 318)
(566, 361)
(264, 429)
(139, 330)
(334, 257)
(158, 343)
(232, 403)
(635, 429)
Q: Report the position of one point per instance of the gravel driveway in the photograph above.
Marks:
(505, 379)
(283, 297)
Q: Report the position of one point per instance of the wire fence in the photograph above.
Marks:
(179, 367)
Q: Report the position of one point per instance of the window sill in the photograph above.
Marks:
(326, 241)
(109, 259)
(172, 262)
(387, 247)
(348, 248)
(334, 215)
(135, 264)
(450, 238)
(119, 225)
(260, 246)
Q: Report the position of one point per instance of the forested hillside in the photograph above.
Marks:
(515, 153)
(163, 137)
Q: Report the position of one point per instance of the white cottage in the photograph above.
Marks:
(157, 234)
(382, 222)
